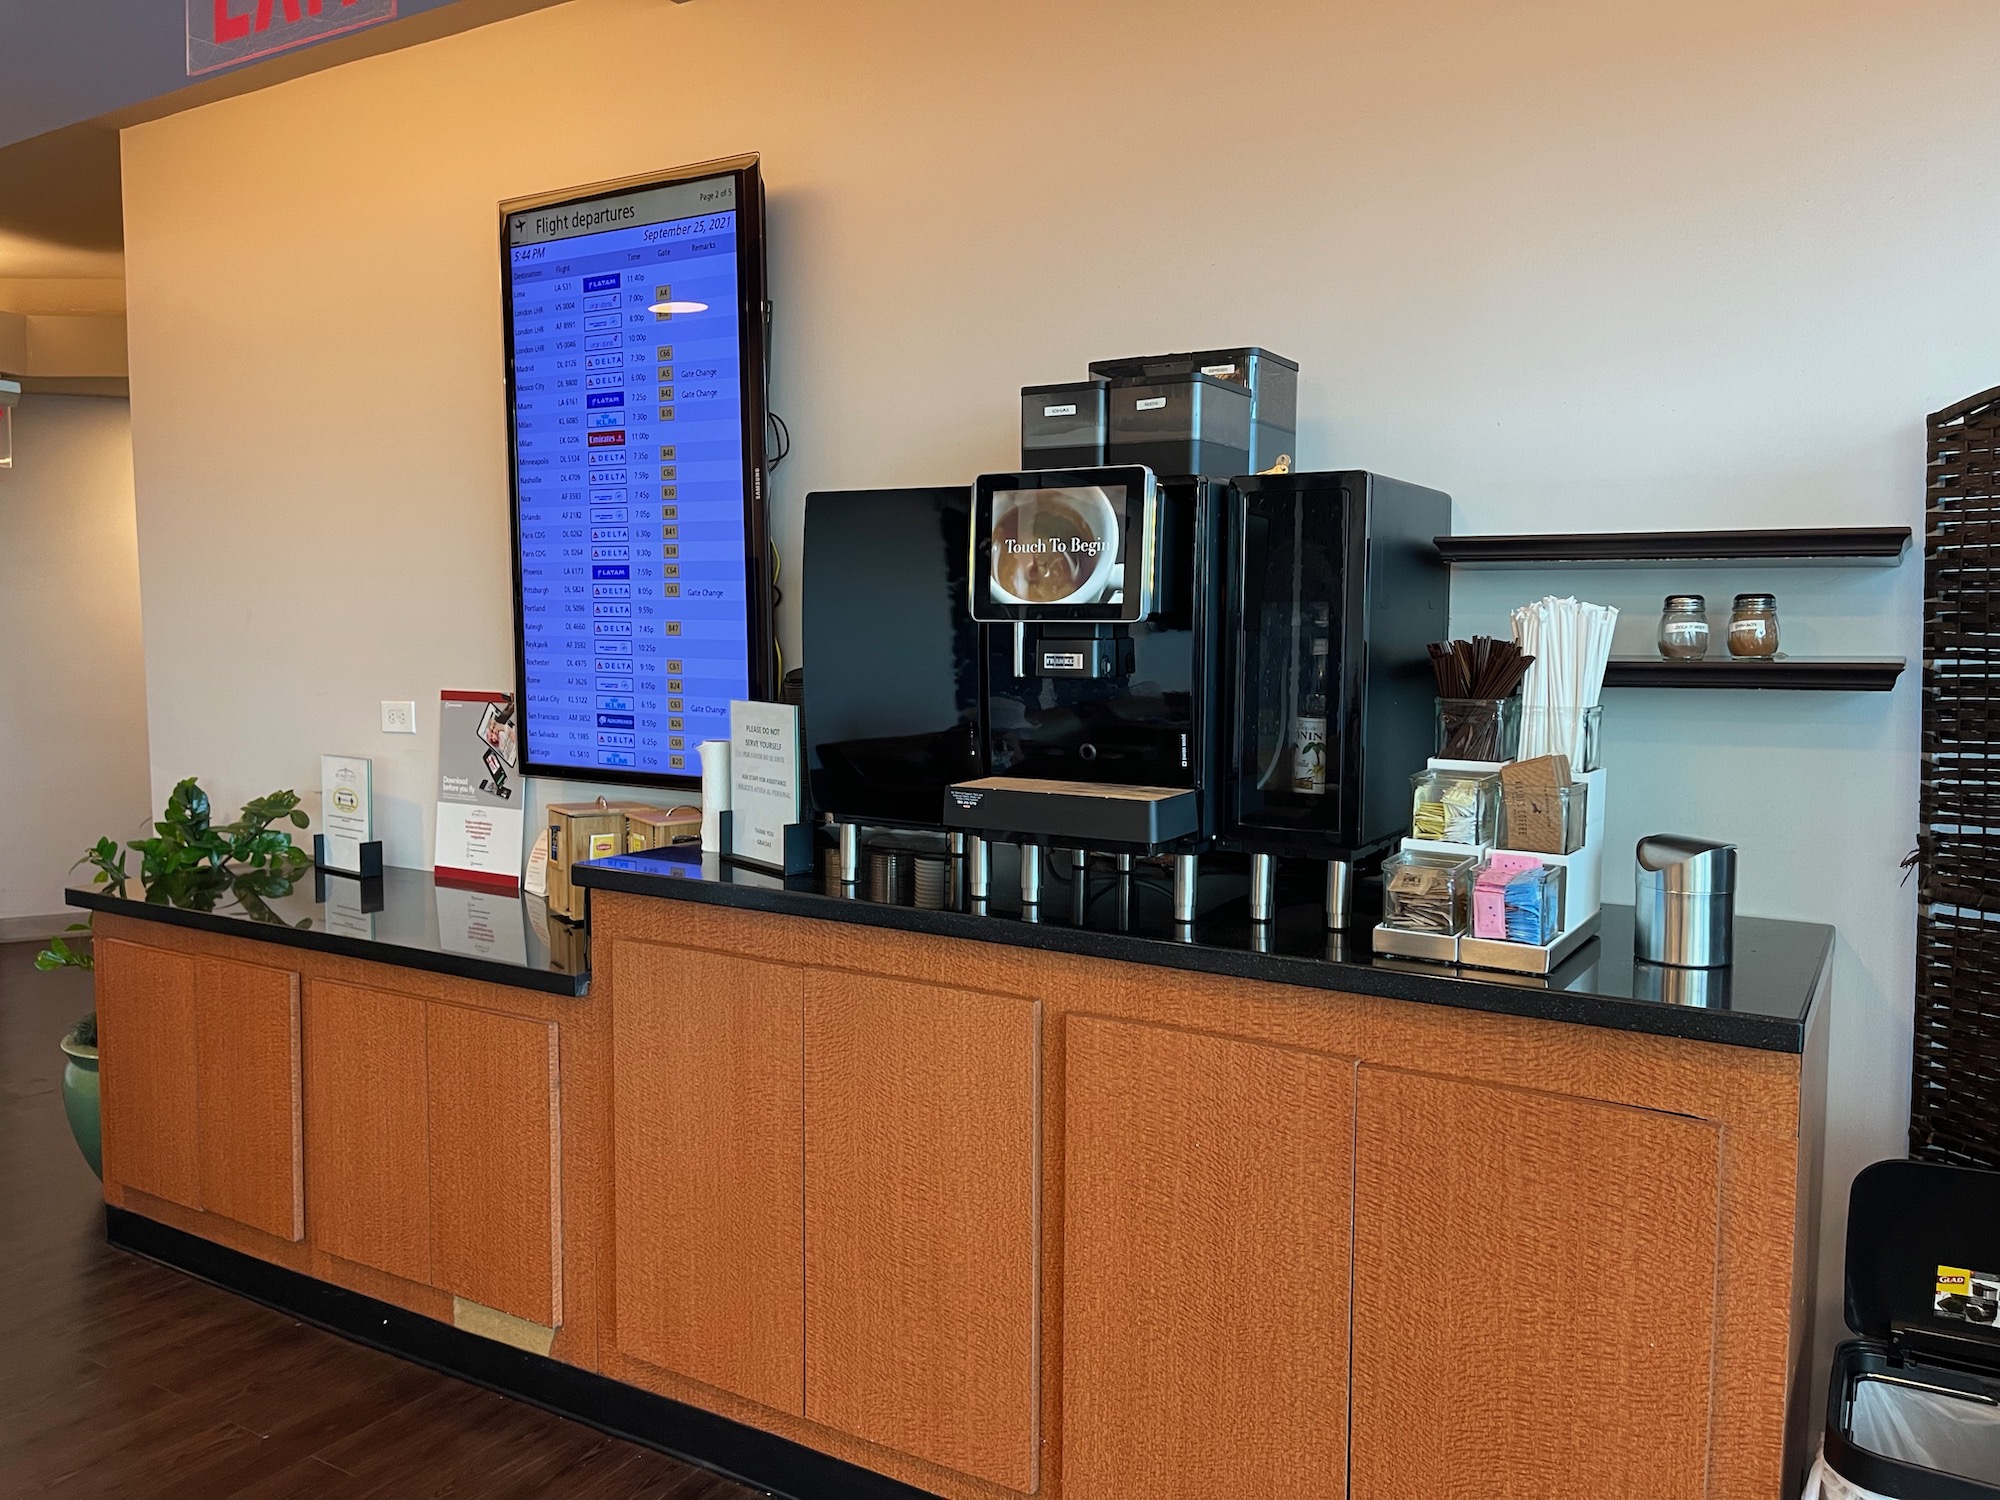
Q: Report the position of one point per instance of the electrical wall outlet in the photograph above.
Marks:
(399, 717)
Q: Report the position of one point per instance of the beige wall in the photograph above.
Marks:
(1662, 263)
(72, 683)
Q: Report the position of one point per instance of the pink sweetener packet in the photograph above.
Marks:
(1489, 892)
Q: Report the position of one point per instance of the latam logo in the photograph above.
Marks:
(223, 33)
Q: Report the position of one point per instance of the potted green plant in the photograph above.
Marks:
(191, 862)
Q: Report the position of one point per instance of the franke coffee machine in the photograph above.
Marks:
(1095, 592)
(1100, 658)
(1177, 666)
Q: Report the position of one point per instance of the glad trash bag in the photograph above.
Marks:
(1954, 1434)
(1824, 1484)
(1940, 1430)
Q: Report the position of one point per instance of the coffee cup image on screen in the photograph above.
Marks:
(1057, 546)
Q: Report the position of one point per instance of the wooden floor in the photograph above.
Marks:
(120, 1378)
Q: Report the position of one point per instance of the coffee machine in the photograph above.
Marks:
(1091, 654)
(1095, 591)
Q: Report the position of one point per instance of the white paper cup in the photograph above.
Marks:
(714, 792)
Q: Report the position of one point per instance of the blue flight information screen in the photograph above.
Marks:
(629, 477)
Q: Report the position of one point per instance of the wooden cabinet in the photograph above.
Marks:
(806, 1167)
(1534, 1294)
(201, 1083)
(247, 1095)
(922, 1174)
(368, 1142)
(146, 1042)
(1205, 1265)
(434, 1145)
(826, 1194)
(495, 1135)
(709, 1172)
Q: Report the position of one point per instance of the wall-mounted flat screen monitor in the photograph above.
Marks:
(635, 327)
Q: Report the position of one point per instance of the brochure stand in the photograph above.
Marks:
(371, 858)
(373, 898)
(798, 849)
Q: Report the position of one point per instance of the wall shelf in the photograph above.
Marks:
(1824, 546)
(1854, 674)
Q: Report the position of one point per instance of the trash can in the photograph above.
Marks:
(1913, 1404)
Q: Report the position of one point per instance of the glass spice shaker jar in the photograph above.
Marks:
(1684, 628)
(1753, 625)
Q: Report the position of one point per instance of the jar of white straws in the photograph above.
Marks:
(1570, 642)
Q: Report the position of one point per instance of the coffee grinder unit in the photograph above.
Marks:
(1271, 380)
(1063, 426)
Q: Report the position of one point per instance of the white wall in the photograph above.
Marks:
(1664, 263)
(72, 682)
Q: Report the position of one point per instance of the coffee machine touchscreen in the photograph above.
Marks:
(1065, 545)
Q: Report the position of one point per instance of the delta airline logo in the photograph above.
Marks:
(223, 33)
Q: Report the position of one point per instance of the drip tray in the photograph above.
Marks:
(1091, 814)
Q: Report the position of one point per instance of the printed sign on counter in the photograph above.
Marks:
(346, 809)
(763, 780)
(479, 818)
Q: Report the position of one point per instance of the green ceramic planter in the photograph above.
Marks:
(80, 1103)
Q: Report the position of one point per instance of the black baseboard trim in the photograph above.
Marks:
(698, 1437)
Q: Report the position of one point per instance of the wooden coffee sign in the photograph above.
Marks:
(222, 33)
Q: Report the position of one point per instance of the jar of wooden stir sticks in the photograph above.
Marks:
(1477, 712)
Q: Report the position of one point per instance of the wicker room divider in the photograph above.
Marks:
(1955, 1089)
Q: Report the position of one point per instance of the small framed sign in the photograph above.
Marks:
(347, 842)
(765, 794)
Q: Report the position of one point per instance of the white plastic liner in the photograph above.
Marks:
(1824, 1484)
(1952, 1434)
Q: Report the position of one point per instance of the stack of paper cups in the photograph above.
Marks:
(714, 792)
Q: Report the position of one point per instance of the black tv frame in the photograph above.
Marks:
(754, 319)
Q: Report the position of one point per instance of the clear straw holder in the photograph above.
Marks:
(1575, 732)
(1481, 729)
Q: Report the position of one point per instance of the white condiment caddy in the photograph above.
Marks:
(1583, 882)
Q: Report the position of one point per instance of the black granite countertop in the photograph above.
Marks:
(1763, 1001)
(405, 918)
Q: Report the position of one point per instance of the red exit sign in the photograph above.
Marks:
(222, 33)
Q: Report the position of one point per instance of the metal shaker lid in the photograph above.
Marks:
(1683, 865)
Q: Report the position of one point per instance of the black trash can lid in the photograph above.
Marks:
(1923, 1251)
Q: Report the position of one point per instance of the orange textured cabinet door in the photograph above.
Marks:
(922, 1210)
(247, 1095)
(709, 1180)
(146, 1048)
(495, 1160)
(1534, 1294)
(1207, 1213)
(367, 1135)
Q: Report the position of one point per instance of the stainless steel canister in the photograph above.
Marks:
(1686, 901)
